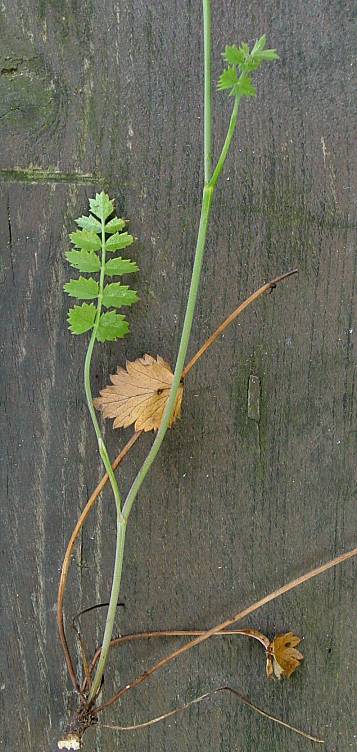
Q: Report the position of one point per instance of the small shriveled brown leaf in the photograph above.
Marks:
(282, 656)
(139, 394)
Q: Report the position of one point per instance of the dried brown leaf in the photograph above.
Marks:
(139, 394)
(282, 657)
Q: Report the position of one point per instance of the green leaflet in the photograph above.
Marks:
(259, 53)
(84, 261)
(259, 44)
(102, 206)
(233, 55)
(89, 241)
(227, 79)
(250, 65)
(118, 241)
(112, 326)
(266, 55)
(245, 49)
(244, 87)
(81, 318)
(82, 288)
(90, 224)
(115, 225)
(118, 295)
(119, 266)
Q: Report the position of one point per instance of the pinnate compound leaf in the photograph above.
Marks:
(84, 261)
(112, 326)
(118, 241)
(81, 318)
(227, 79)
(282, 656)
(90, 224)
(118, 295)
(82, 288)
(101, 205)
(89, 241)
(119, 266)
(115, 225)
(139, 394)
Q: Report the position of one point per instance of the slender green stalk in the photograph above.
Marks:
(207, 197)
(114, 597)
(227, 143)
(181, 356)
(207, 44)
(87, 385)
(121, 523)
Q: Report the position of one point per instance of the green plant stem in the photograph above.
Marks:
(121, 523)
(101, 445)
(207, 197)
(181, 356)
(114, 597)
(227, 143)
(207, 43)
(87, 385)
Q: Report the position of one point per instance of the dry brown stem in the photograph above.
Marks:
(233, 316)
(162, 633)
(206, 696)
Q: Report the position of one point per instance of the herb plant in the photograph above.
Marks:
(96, 244)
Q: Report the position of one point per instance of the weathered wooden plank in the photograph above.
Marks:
(235, 506)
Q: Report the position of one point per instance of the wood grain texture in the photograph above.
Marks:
(111, 93)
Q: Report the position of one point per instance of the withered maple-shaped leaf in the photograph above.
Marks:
(282, 656)
(139, 394)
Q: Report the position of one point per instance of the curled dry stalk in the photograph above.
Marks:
(165, 633)
(207, 695)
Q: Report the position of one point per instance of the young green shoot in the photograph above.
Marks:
(98, 239)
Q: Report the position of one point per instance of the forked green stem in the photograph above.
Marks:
(207, 197)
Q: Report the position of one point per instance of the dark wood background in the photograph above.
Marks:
(108, 94)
